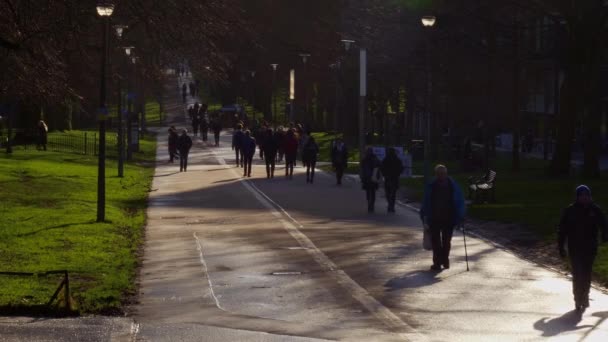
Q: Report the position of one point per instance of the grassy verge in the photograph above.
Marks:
(48, 210)
(153, 114)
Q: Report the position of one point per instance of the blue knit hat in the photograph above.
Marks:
(582, 189)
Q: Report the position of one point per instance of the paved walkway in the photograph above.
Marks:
(307, 260)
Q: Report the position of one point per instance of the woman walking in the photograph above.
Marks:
(370, 177)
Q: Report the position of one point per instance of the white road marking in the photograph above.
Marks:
(382, 313)
(199, 247)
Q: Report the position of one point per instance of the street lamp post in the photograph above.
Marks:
(273, 96)
(305, 57)
(362, 93)
(105, 10)
(252, 73)
(121, 140)
(428, 22)
(128, 52)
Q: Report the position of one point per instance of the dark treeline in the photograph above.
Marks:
(506, 66)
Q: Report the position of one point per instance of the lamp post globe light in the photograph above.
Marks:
(428, 21)
(105, 10)
(120, 29)
(347, 43)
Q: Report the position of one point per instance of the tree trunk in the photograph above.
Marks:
(560, 164)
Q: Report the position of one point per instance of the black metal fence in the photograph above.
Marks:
(70, 142)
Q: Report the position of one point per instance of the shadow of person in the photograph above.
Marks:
(412, 279)
(566, 322)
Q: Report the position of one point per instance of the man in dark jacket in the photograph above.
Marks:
(339, 159)
(184, 143)
(270, 147)
(443, 209)
(237, 144)
(248, 151)
(392, 167)
(580, 225)
(369, 174)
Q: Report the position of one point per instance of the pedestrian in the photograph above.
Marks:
(191, 113)
(248, 152)
(237, 144)
(172, 143)
(196, 121)
(184, 92)
(310, 152)
(270, 152)
(279, 137)
(184, 143)
(392, 167)
(443, 209)
(339, 158)
(204, 122)
(260, 138)
(370, 177)
(580, 225)
(43, 132)
(290, 147)
(216, 126)
(302, 137)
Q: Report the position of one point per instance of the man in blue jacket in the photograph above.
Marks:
(443, 209)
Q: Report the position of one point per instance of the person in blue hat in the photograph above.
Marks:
(579, 227)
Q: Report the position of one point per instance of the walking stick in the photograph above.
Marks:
(466, 254)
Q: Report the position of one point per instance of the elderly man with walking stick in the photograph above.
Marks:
(443, 209)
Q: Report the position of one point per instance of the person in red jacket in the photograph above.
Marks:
(290, 146)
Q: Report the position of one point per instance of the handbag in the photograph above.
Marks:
(427, 244)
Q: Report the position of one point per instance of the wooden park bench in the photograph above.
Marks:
(483, 188)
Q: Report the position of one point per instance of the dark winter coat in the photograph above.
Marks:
(392, 167)
(458, 203)
(580, 226)
(216, 126)
(270, 145)
(248, 146)
(339, 157)
(237, 139)
(173, 140)
(184, 143)
(310, 151)
(368, 164)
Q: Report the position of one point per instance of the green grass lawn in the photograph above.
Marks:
(153, 114)
(48, 211)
